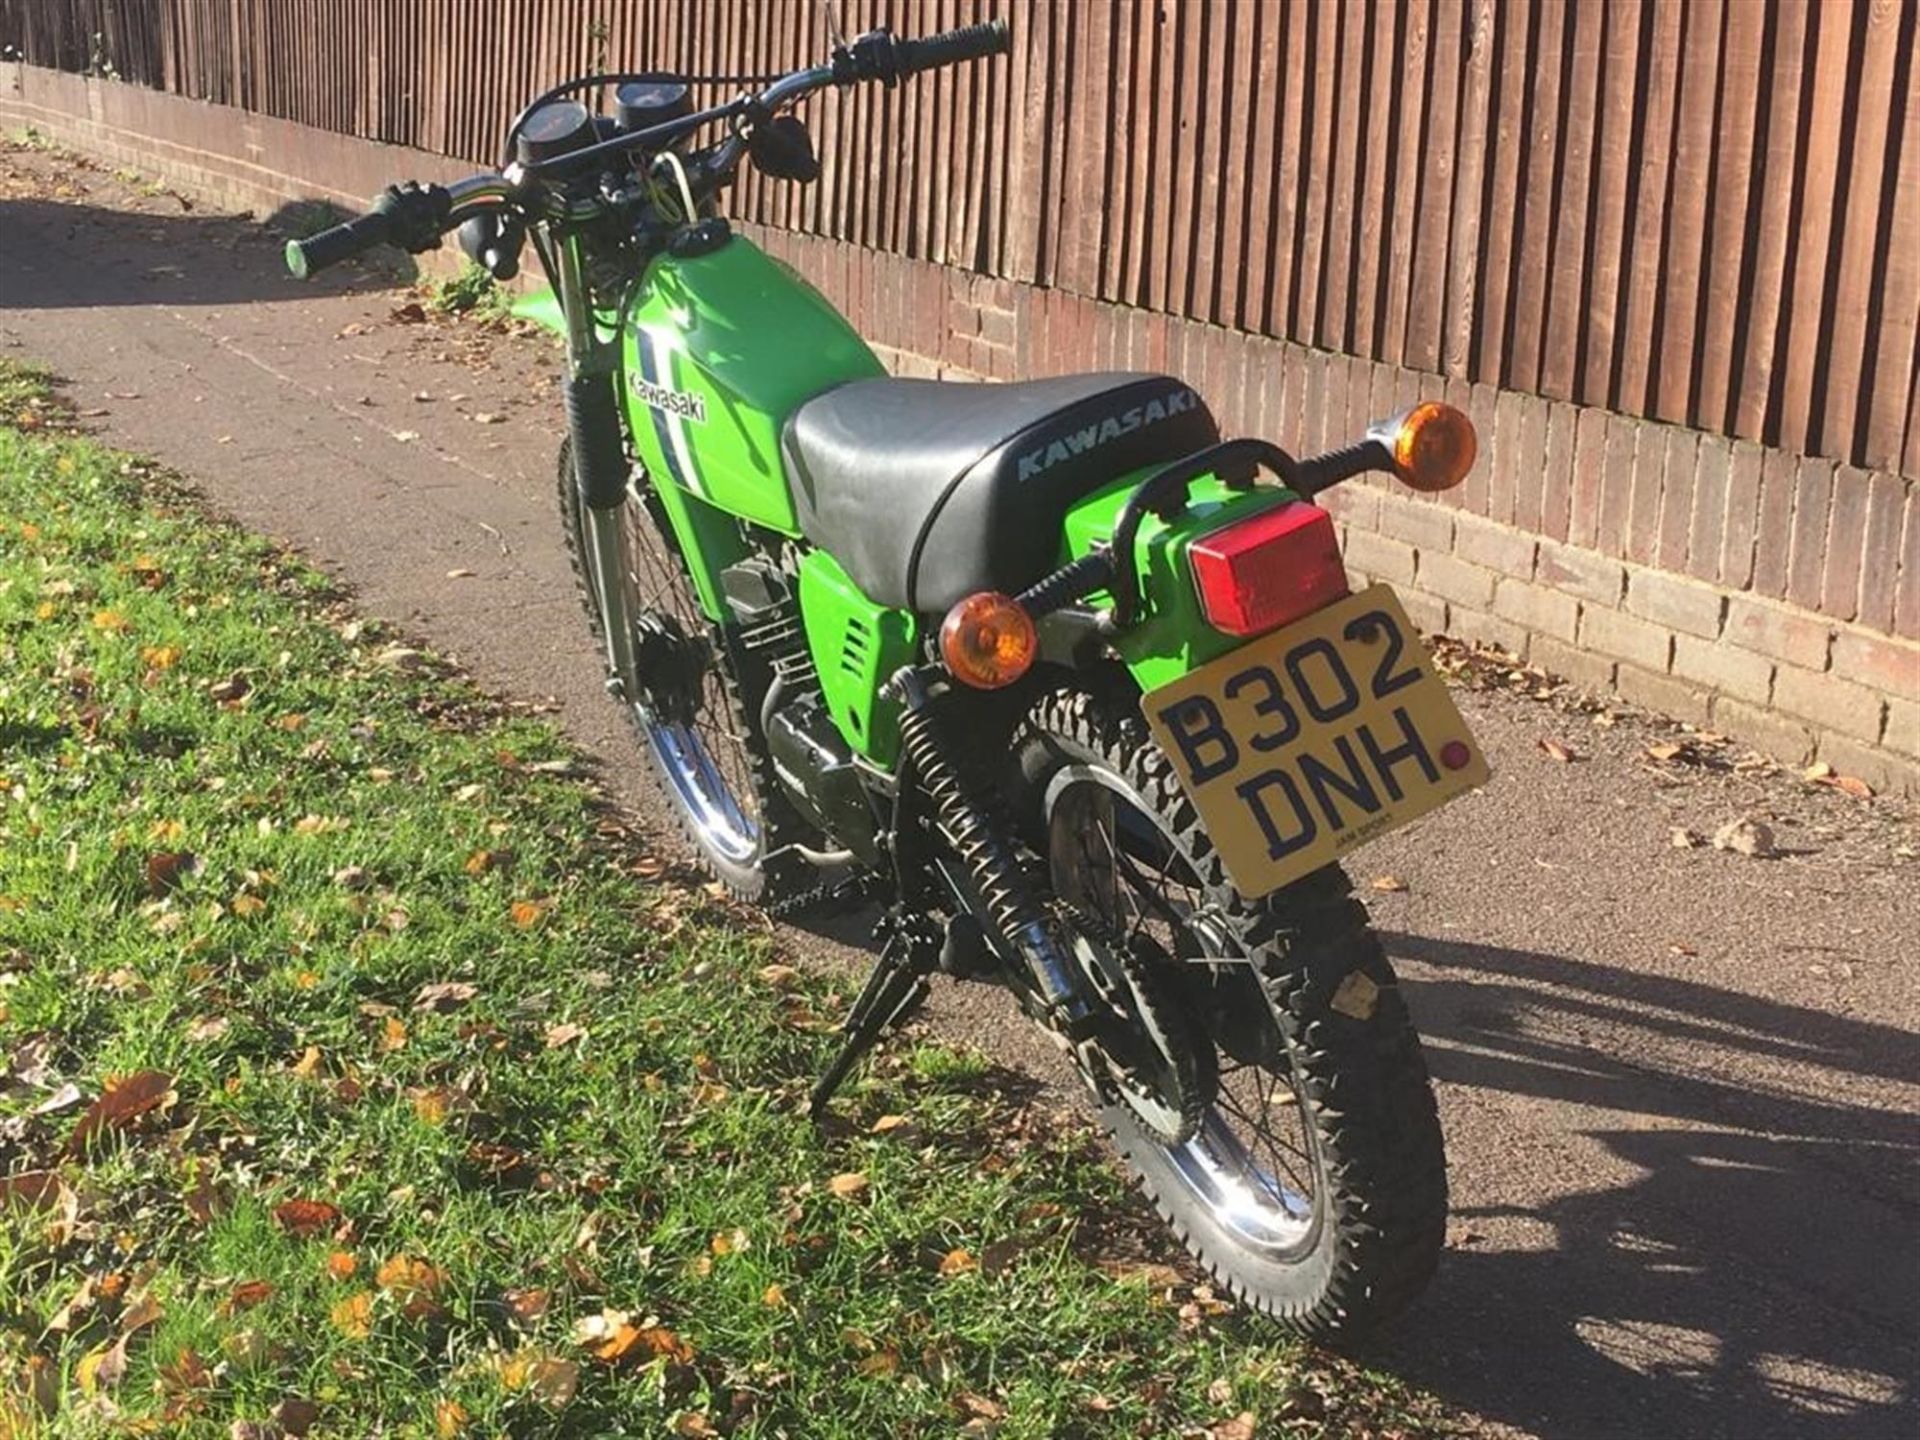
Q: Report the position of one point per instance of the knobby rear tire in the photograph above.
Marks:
(1357, 1067)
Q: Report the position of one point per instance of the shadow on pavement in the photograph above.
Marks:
(1688, 1301)
(123, 257)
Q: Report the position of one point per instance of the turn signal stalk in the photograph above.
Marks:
(988, 640)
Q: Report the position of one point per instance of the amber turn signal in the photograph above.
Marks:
(1434, 446)
(988, 640)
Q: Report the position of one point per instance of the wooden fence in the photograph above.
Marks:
(1701, 212)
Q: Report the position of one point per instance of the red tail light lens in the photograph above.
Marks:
(1263, 572)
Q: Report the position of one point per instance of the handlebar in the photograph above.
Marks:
(969, 42)
(415, 218)
(412, 216)
(341, 242)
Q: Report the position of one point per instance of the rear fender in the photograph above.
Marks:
(1172, 636)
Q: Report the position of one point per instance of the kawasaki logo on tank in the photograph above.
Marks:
(671, 402)
(1077, 442)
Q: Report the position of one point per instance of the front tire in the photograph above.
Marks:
(707, 756)
(1336, 1230)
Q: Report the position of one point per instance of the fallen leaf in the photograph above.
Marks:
(1240, 1427)
(881, 1362)
(341, 1264)
(393, 1035)
(1853, 785)
(211, 1027)
(247, 906)
(1817, 771)
(185, 1372)
(564, 1034)
(482, 862)
(694, 1423)
(773, 1296)
(444, 995)
(234, 687)
(65, 1098)
(1666, 750)
(244, 1296)
(304, 1219)
(1554, 750)
(449, 1419)
(125, 1099)
(461, 574)
(296, 1416)
(414, 1283)
(553, 1381)
(526, 913)
(353, 1316)
(486, 417)
(166, 869)
(1746, 837)
(643, 1342)
(351, 877)
(31, 1190)
(848, 1185)
(1356, 996)
(958, 1262)
(978, 1406)
(528, 1305)
(1681, 838)
(1392, 884)
(886, 1123)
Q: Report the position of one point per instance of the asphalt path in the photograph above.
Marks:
(1680, 1085)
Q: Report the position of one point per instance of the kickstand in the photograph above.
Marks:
(893, 991)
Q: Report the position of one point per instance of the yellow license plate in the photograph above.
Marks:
(1308, 742)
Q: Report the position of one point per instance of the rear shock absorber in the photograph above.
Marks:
(991, 864)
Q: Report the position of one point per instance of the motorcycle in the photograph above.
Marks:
(1069, 686)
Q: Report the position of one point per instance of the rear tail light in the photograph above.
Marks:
(1268, 570)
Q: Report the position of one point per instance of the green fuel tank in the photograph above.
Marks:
(720, 348)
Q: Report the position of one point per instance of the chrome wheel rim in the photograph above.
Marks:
(1253, 1163)
(706, 763)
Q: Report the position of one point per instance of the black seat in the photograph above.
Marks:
(928, 490)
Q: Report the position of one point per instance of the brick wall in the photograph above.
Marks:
(1772, 597)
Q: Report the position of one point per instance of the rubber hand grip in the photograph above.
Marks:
(342, 242)
(970, 42)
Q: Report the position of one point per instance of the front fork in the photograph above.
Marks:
(599, 465)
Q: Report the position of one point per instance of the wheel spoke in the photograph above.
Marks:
(1253, 1163)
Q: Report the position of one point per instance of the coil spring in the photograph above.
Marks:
(998, 876)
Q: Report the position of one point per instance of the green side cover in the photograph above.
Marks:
(1174, 637)
(856, 645)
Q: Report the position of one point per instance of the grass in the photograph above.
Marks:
(472, 291)
(357, 1082)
